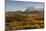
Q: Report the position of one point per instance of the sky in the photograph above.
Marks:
(12, 5)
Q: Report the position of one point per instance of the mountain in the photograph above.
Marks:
(30, 11)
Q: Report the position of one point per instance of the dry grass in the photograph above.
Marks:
(24, 21)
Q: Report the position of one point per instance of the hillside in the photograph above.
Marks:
(24, 21)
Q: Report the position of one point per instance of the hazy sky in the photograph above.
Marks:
(21, 5)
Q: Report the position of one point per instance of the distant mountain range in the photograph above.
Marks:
(28, 11)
